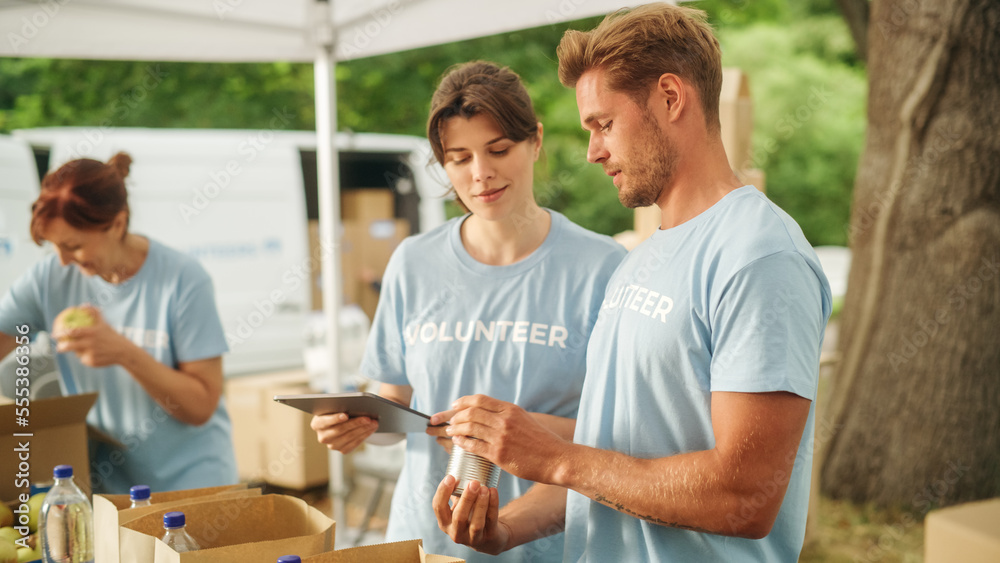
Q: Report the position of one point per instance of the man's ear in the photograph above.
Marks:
(670, 92)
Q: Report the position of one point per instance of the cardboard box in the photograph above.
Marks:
(316, 260)
(240, 530)
(646, 221)
(273, 442)
(365, 248)
(56, 434)
(736, 118)
(411, 551)
(357, 207)
(969, 533)
(111, 511)
(755, 177)
(367, 204)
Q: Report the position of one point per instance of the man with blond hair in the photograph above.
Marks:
(693, 440)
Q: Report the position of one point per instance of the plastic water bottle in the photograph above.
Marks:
(176, 536)
(67, 521)
(139, 495)
(289, 559)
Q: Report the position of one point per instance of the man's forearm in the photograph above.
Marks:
(683, 491)
(756, 441)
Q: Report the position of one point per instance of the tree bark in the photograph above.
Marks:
(915, 404)
(856, 14)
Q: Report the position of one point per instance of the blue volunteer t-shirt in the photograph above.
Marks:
(732, 300)
(448, 326)
(167, 309)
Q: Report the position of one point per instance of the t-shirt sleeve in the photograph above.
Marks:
(21, 305)
(385, 351)
(768, 328)
(196, 328)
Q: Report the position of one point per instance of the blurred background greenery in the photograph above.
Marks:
(807, 83)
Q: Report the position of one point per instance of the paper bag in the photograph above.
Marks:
(240, 530)
(111, 511)
(411, 551)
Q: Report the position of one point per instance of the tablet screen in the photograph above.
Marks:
(391, 416)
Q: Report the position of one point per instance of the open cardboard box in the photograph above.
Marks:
(248, 529)
(111, 511)
(56, 434)
(411, 551)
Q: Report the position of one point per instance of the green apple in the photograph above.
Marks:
(35, 510)
(6, 515)
(8, 552)
(70, 318)
(25, 554)
(10, 534)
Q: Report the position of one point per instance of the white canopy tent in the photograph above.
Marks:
(322, 32)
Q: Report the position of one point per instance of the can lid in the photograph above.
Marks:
(173, 520)
(139, 492)
(289, 559)
(62, 471)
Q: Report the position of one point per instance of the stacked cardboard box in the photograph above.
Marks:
(370, 234)
(273, 442)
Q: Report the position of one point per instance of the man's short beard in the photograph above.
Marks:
(642, 196)
(657, 158)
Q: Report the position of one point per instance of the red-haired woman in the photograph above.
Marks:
(154, 351)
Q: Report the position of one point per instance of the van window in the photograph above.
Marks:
(359, 170)
(42, 156)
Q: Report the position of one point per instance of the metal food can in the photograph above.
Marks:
(465, 467)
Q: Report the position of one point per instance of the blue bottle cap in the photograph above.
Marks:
(289, 559)
(62, 471)
(139, 492)
(173, 520)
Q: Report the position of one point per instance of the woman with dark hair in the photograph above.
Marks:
(500, 301)
(153, 352)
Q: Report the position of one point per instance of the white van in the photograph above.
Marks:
(18, 189)
(238, 200)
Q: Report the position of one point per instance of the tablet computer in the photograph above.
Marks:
(391, 416)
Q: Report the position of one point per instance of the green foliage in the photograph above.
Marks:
(42, 93)
(564, 180)
(736, 13)
(809, 117)
(808, 92)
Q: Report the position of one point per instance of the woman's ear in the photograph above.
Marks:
(120, 224)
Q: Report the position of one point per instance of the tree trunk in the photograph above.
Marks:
(856, 16)
(915, 404)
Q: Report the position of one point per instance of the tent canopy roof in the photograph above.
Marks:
(262, 30)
